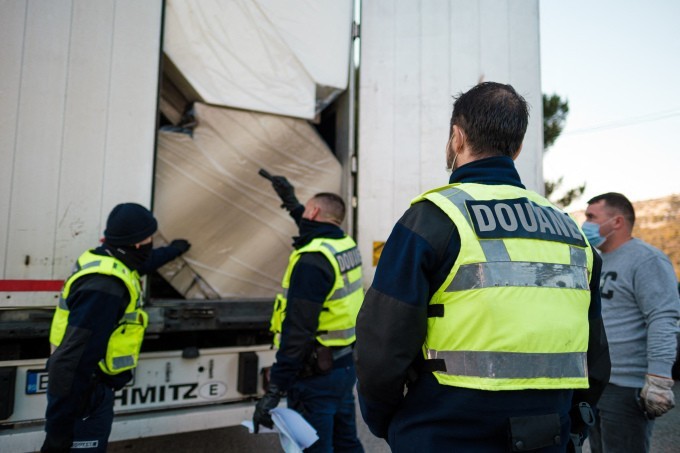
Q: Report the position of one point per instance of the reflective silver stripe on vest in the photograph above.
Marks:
(578, 256)
(338, 334)
(329, 247)
(131, 317)
(76, 268)
(346, 290)
(98, 262)
(122, 362)
(547, 275)
(494, 250)
(458, 198)
(90, 264)
(512, 365)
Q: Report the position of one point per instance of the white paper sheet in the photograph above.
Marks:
(295, 433)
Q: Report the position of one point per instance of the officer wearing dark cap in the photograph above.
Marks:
(98, 328)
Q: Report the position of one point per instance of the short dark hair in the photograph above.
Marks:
(333, 205)
(494, 118)
(619, 203)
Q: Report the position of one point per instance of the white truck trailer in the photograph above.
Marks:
(85, 87)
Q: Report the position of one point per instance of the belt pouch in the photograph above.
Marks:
(534, 432)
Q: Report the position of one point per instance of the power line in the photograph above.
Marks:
(626, 122)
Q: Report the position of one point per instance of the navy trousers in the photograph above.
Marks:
(327, 403)
(92, 428)
(91, 432)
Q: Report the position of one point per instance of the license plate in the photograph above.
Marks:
(36, 381)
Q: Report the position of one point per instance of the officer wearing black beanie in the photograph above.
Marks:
(94, 301)
(129, 223)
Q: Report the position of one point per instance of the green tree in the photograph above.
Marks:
(555, 111)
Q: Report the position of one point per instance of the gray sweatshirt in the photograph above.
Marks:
(640, 309)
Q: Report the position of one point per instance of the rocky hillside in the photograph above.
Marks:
(658, 223)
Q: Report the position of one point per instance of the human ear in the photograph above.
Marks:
(458, 138)
(517, 153)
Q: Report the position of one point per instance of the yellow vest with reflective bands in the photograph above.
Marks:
(512, 314)
(122, 352)
(338, 316)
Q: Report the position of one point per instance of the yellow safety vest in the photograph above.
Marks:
(125, 342)
(338, 316)
(513, 312)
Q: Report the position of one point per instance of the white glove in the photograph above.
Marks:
(657, 395)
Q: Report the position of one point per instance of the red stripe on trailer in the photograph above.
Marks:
(31, 285)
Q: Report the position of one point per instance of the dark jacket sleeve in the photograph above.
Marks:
(599, 365)
(311, 281)
(96, 303)
(392, 322)
(159, 257)
(296, 213)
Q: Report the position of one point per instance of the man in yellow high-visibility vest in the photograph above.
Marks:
(314, 322)
(98, 328)
(484, 304)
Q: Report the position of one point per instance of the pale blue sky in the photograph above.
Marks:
(618, 64)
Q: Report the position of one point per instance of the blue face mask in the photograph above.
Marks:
(592, 232)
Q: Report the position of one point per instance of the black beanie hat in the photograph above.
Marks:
(128, 224)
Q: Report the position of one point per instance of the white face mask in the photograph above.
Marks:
(453, 165)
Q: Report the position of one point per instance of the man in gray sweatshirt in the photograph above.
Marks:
(640, 310)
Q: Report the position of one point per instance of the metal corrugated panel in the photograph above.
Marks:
(79, 95)
(414, 57)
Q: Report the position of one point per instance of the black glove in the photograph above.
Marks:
(286, 192)
(269, 401)
(182, 245)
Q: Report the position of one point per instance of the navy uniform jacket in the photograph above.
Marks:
(392, 325)
(96, 303)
